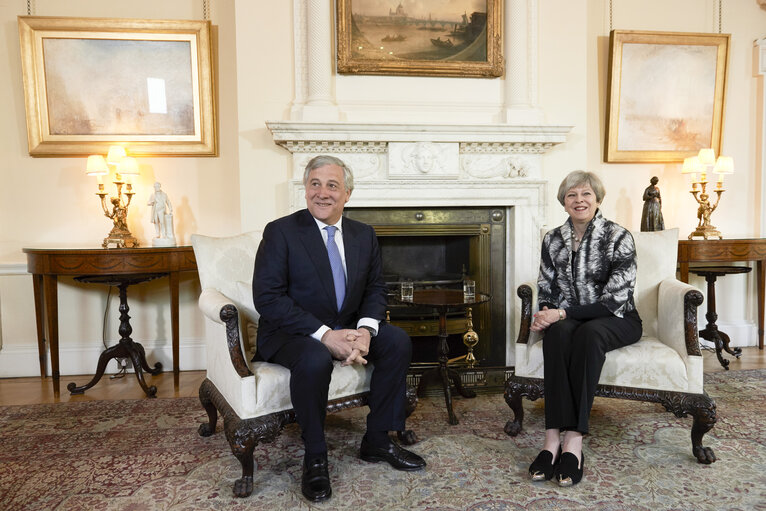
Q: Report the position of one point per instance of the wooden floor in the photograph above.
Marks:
(34, 390)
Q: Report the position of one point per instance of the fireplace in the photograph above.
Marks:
(439, 247)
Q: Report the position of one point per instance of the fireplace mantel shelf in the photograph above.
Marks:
(286, 132)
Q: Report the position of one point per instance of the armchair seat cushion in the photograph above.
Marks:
(647, 364)
(271, 382)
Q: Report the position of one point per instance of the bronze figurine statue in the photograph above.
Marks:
(651, 218)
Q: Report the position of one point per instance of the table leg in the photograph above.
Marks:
(37, 285)
(455, 377)
(173, 278)
(761, 288)
(50, 294)
(684, 271)
(710, 332)
(126, 348)
(443, 370)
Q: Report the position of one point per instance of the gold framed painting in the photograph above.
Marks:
(462, 38)
(93, 82)
(665, 97)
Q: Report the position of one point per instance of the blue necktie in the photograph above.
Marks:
(338, 276)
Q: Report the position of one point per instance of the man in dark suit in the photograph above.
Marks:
(319, 290)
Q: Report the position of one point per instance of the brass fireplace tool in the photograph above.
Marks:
(470, 339)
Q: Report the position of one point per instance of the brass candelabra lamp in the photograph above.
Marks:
(116, 208)
(702, 164)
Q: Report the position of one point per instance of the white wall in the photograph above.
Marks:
(49, 201)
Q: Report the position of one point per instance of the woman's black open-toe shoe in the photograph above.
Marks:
(544, 465)
(568, 470)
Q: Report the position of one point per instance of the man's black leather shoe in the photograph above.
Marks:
(315, 483)
(400, 459)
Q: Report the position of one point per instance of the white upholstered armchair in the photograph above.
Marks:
(253, 397)
(664, 366)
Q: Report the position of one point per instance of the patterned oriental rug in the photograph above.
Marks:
(146, 455)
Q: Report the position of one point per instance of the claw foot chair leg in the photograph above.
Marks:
(704, 414)
(513, 398)
(242, 443)
(516, 388)
(212, 414)
(408, 437)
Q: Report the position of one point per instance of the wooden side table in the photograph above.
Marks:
(727, 251)
(710, 332)
(443, 301)
(46, 264)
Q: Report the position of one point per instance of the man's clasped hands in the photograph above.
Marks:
(348, 345)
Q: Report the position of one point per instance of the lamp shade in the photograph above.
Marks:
(707, 156)
(96, 166)
(116, 153)
(724, 165)
(691, 165)
(128, 166)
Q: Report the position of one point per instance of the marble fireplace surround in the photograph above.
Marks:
(439, 165)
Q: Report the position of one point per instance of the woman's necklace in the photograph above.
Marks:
(575, 238)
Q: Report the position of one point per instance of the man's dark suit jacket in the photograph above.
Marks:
(293, 288)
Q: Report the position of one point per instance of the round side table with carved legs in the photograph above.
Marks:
(443, 301)
(711, 332)
(126, 347)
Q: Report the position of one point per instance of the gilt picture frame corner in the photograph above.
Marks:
(380, 37)
(93, 82)
(673, 111)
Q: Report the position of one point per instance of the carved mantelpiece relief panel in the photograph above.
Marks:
(428, 152)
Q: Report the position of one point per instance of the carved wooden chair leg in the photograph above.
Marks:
(704, 413)
(242, 441)
(408, 437)
(411, 398)
(212, 414)
(513, 399)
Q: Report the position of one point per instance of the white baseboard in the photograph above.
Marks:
(23, 361)
(13, 269)
(741, 334)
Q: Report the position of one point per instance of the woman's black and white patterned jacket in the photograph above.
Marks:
(604, 267)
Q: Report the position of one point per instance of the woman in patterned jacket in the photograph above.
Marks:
(586, 282)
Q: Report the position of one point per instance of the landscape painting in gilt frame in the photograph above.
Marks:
(665, 95)
(93, 82)
(460, 38)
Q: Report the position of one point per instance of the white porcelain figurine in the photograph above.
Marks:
(162, 218)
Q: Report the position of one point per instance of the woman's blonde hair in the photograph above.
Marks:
(580, 178)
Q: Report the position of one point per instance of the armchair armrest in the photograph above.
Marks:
(528, 294)
(524, 292)
(211, 302)
(218, 308)
(677, 316)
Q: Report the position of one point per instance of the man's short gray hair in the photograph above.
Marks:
(580, 178)
(321, 161)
